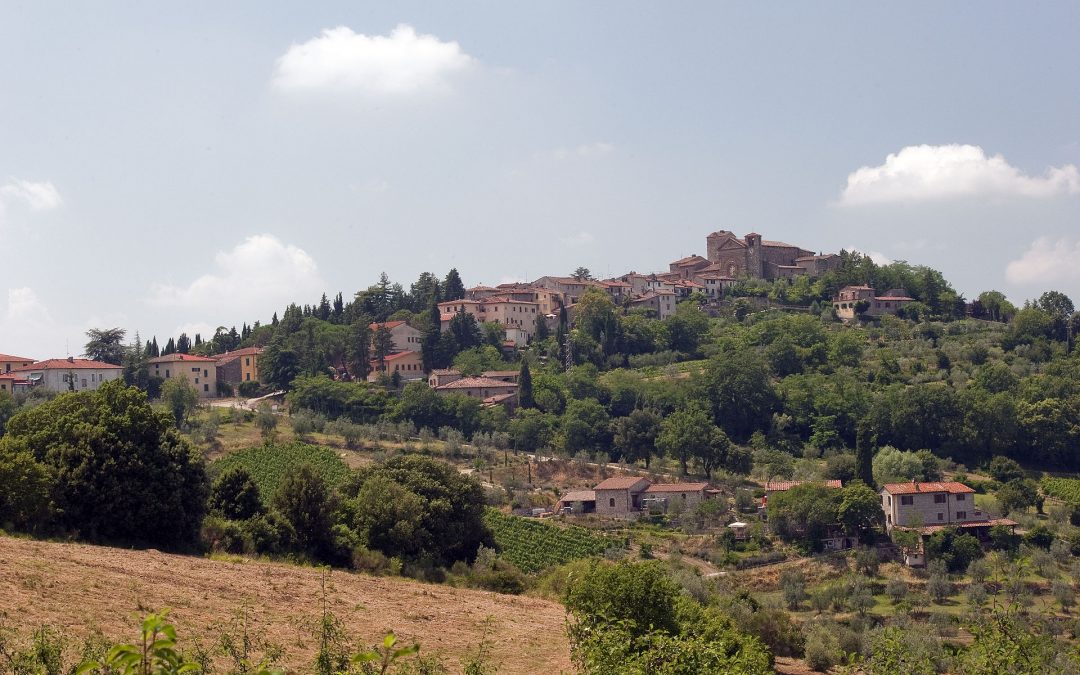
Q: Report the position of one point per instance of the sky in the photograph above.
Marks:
(178, 167)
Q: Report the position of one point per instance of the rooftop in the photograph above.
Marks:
(389, 325)
(171, 358)
(579, 496)
(9, 357)
(988, 522)
(621, 483)
(676, 487)
(65, 364)
(782, 485)
(475, 383)
(926, 488)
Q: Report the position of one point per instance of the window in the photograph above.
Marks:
(166, 372)
(961, 498)
(940, 516)
(206, 372)
(940, 499)
(206, 387)
(247, 376)
(247, 361)
(907, 501)
(611, 502)
(195, 370)
(961, 515)
(196, 380)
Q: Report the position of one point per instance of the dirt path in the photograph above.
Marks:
(80, 588)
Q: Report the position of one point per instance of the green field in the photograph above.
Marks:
(268, 464)
(1067, 489)
(533, 545)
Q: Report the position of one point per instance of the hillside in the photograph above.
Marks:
(78, 588)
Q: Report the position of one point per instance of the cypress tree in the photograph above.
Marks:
(864, 452)
(525, 388)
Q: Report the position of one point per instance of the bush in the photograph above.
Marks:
(897, 590)
(235, 495)
(1039, 536)
(938, 587)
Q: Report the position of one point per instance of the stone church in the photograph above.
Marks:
(763, 259)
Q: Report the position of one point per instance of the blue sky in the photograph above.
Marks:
(168, 168)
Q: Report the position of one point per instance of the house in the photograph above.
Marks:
(852, 301)
(640, 284)
(740, 529)
(772, 487)
(404, 337)
(686, 267)
(9, 362)
(241, 365)
(927, 508)
(441, 376)
(660, 303)
(199, 371)
(755, 257)
(570, 287)
(713, 282)
(13, 384)
(69, 374)
(409, 365)
(488, 390)
(620, 496)
(518, 317)
(503, 375)
(577, 502)
(681, 495)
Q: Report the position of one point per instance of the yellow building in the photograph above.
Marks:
(200, 371)
(9, 363)
(239, 366)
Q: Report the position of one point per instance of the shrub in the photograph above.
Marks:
(897, 590)
(938, 587)
(235, 495)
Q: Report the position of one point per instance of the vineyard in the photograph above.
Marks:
(533, 545)
(268, 464)
(1067, 489)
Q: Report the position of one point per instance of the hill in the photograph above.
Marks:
(78, 588)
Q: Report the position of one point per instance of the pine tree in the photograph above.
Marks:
(274, 321)
(323, 311)
(155, 351)
(170, 348)
(453, 288)
(429, 345)
(358, 349)
(542, 331)
(338, 312)
(183, 343)
(382, 344)
(198, 339)
(525, 388)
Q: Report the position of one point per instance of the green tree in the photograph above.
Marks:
(453, 288)
(860, 509)
(120, 470)
(180, 397)
(305, 502)
(235, 495)
(25, 485)
(741, 395)
(1004, 469)
(525, 388)
(864, 452)
(1017, 495)
(358, 348)
(635, 435)
(687, 434)
(106, 345)
(531, 430)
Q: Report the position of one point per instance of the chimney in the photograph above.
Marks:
(71, 359)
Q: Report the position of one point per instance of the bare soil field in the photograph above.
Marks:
(80, 588)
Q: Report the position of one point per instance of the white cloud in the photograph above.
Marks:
(581, 238)
(596, 149)
(26, 324)
(1046, 261)
(878, 257)
(931, 172)
(34, 196)
(401, 63)
(256, 278)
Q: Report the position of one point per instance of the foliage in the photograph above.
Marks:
(235, 495)
(155, 653)
(534, 545)
(954, 548)
(180, 397)
(357, 401)
(118, 468)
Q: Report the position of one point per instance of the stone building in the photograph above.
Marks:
(760, 258)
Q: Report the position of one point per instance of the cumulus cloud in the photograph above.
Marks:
(34, 196)
(933, 172)
(1047, 261)
(401, 63)
(257, 277)
(581, 238)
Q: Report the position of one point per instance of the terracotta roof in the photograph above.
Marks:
(9, 357)
(897, 298)
(499, 373)
(620, 483)
(579, 496)
(388, 324)
(395, 355)
(445, 371)
(475, 383)
(689, 259)
(931, 529)
(498, 398)
(171, 358)
(64, 364)
(778, 244)
(817, 257)
(229, 357)
(676, 487)
(782, 485)
(481, 288)
(922, 488)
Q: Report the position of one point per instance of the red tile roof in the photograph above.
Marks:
(396, 355)
(989, 522)
(782, 485)
(172, 358)
(390, 325)
(922, 488)
(9, 357)
(677, 487)
(579, 496)
(229, 357)
(64, 364)
(475, 383)
(621, 483)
